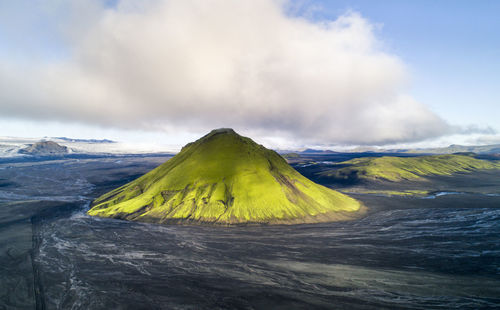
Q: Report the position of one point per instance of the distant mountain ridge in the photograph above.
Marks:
(13, 147)
(84, 140)
(456, 148)
(451, 149)
(316, 151)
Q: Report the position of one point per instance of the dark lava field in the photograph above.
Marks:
(435, 251)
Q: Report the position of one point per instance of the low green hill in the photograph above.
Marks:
(224, 178)
(407, 168)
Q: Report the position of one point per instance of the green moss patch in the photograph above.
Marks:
(407, 168)
(225, 178)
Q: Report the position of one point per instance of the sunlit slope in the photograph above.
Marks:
(225, 178)
(409, 168)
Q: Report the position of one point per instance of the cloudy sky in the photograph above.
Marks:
(290, 73)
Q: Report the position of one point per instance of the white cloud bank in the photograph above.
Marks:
(197, 65)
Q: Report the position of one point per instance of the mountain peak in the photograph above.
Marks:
(212, 136)
(220, 131)
(223, 130)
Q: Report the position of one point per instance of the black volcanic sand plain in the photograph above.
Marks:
(437, 250)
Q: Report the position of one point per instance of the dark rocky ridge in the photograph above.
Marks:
(45, 148)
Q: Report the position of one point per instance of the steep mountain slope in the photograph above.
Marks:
(225, 178)
(407, 168)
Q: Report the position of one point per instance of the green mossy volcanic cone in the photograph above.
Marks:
(224, 178)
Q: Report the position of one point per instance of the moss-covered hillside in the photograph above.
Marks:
(407, 168)
(224, 178)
